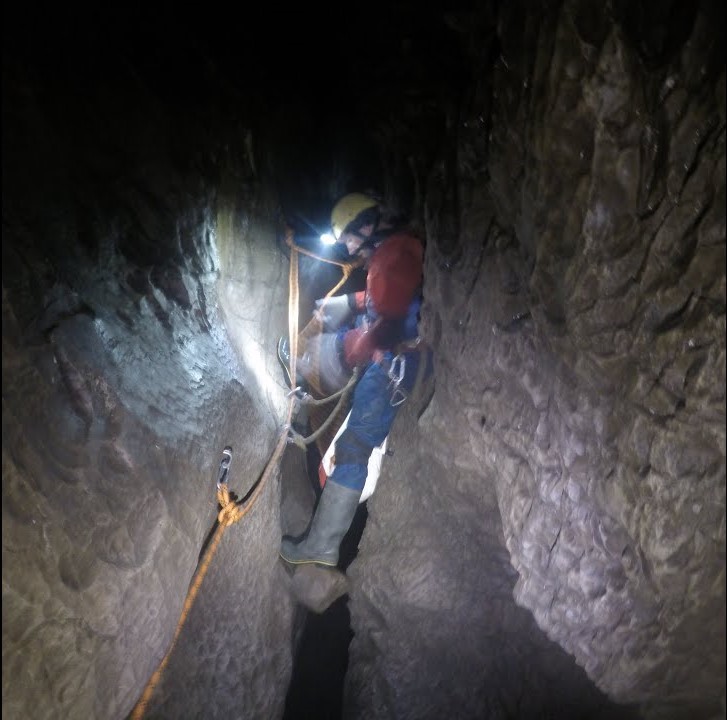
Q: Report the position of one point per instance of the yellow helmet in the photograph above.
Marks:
(347, 209)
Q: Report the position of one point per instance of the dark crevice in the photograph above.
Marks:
(321, 656)
(320, 664)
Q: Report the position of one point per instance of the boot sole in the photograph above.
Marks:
(308, 562)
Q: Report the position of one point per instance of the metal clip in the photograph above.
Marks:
(396, 375)
(224, 466)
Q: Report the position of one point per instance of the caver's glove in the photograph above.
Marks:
(361, 344)
(358, 347)
(334, 311)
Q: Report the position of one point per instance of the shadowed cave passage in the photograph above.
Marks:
(320, 657)
(547, 539)
(320, 664)
(322, 639)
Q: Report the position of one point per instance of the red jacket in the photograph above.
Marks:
(393, 279)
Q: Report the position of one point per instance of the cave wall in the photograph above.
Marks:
(553, 513)
(124, 205)
(575, 298)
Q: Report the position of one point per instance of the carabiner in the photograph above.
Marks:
(396, 375)
(224, 466)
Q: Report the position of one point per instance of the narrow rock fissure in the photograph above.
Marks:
(548, 537)
(321, 650)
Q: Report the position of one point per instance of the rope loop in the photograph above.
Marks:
(231, 511)
(298, 440)
(346, 267)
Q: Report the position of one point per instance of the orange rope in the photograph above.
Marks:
(229, 514)
(314, 326)
(230, 511)
(345, 266)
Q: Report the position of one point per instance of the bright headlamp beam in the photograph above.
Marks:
(328, 239)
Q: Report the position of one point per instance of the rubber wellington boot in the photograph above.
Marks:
(333, 517)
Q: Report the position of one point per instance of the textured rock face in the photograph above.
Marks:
(613, 492)
(437, 633)
(576, 298)
(553, 515)
(120, 389)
